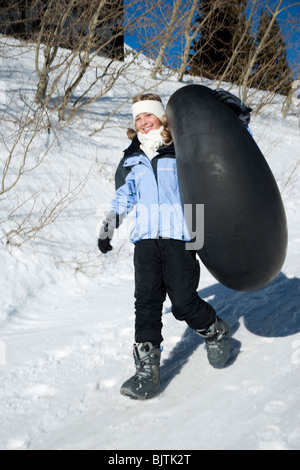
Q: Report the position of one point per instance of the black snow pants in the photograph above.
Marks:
(164, 266)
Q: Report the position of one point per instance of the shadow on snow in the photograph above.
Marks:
(272, 312)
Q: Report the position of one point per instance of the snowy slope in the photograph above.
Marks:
(66, 313)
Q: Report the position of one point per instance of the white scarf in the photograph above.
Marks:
(151, 142)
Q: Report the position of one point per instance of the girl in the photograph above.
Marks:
(147, 178)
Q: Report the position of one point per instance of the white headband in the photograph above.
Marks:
(148, 106)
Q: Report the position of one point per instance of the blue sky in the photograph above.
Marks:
(292, 37)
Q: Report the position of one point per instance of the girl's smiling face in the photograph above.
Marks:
(146, 122)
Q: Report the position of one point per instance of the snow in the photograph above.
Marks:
(66, 312)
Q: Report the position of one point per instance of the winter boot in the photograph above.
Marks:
(217, 338)
(146, 382)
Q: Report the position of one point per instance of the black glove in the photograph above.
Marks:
(107, 232)
(241, 110)
(104, 240)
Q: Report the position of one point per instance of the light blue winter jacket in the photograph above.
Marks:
(151, 186)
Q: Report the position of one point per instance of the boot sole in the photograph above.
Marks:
(134, 396)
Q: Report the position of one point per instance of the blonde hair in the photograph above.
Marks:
(166, 134)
